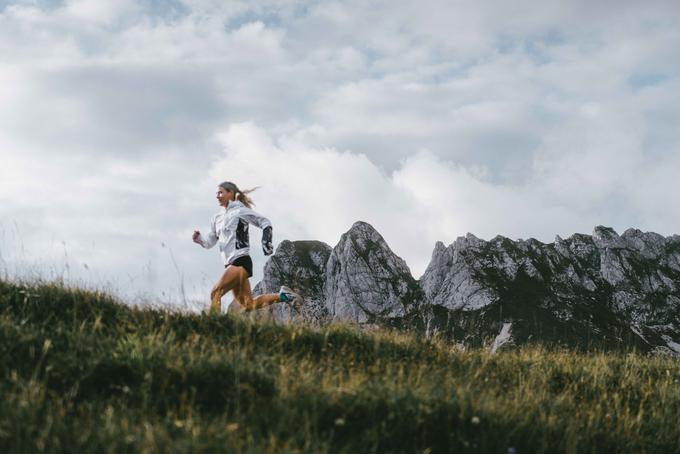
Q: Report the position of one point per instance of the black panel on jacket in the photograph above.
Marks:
(242, 239)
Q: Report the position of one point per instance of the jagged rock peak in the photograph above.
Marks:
(602, 237)
(309, 253)
(467, 241)
(365, 280)
(364, 231)
(606, 237)
(438, 247)
(650, 244)
(603, 232)
(363, 236)
(366, 241)
(360, 226)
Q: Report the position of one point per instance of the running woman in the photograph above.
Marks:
(229, 229)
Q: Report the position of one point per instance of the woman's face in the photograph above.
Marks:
(224, 196)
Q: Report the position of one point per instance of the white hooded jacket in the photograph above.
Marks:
(229, 229)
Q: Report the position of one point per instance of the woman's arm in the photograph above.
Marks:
(212, 236)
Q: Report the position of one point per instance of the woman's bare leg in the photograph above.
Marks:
(235, 278)
(229, 280)
(244, 295)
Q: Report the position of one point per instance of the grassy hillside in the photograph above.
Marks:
(83, 373)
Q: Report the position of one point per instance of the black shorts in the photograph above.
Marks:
(244, 262)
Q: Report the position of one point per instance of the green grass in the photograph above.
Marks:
(81, 372)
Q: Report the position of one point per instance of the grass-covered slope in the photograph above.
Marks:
(80, 372)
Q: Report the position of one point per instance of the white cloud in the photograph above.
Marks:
(308, 191)
(314, 193)
(99, 12)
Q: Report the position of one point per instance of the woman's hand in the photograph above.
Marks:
(196, 237)
(267, 246)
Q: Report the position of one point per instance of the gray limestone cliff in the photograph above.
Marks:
(359, 280)
(586, 291)
(366, 282)
(300, 265)
(603, 290)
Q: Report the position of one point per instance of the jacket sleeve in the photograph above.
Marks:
(255, 218)
(212, 236)
(262, 222)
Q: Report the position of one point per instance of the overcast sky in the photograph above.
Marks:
(427, 119)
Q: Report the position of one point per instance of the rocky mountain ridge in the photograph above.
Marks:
(602, 290)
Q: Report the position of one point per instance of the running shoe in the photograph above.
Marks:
(286, 295)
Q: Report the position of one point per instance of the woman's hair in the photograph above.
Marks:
(241, 194)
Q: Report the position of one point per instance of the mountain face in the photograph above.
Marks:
(366, 282)
(605, 289)
(300, 265)
(600, 290)
(360, 280)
